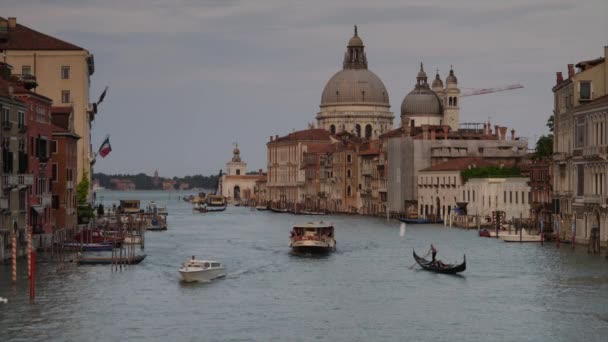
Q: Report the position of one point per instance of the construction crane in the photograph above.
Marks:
(482, 91)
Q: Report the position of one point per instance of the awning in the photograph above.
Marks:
(38, 208)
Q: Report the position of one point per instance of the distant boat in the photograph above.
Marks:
(201, 270)
(420, 221)
(313, 238)
(88, 247)
(440, 268)
(280, 211)
(84, 259)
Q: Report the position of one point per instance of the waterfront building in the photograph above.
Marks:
(62, 71)
(373, 192)
(286, 177)
(434, 106)
(541, 190)
(260, 194)
(317, 169)
(236, 185)
(15, 180)
(40, 146)
(354, 99)
(439, 186)
(486, 195)
(128, 185)
(411, 148)
(581, 149)
(63, 175)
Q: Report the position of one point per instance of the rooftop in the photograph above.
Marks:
(22, 37)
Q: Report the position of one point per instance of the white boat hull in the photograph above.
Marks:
(202, 275)
(313, 245)
(516, 238)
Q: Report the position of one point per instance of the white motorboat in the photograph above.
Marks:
(313, 238)
(201, 270)
(524, 237)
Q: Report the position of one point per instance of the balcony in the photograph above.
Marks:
(46, 200)
(22, 180)
(591, 152)
(7, 125)
(69, 185)
(559, 157)
(28, 81)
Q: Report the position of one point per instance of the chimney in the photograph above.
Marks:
(496, 130)
(446, 129)
(503, 133)
(12, 22)
(559, 77)
(271, 138)
(432, 134)
(260, 172)
(513, 134)
(570, 70)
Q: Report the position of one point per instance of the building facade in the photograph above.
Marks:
(486, 195)
(64, 166)
(63, 73)
(581, 150)
(236, 185)
(354, 99)
(15, 180)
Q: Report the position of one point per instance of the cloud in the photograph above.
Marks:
(188, 78)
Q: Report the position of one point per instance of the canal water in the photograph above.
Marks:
(365, 291)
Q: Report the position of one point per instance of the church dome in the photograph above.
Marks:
(422, 100)
(437, 83)
(451, 79)
(354, 86)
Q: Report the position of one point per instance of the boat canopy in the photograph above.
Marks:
(315, 225)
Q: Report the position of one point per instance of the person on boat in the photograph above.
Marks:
(433, 252)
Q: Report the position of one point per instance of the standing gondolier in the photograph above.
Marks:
(433, 252)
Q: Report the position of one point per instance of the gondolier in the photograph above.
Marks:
(433, 252)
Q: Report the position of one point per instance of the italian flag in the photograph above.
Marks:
(105, 148)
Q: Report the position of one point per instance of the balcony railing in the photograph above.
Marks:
(594, 151)
(69, 185)
(46, 200)
(9, 181)
(28, 81)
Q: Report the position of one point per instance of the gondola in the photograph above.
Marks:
(445, 269)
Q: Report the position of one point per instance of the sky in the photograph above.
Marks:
(189, 78)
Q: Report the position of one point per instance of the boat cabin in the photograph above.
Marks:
(216, 200)
(202, 264)
(311, 230)
(130, 206)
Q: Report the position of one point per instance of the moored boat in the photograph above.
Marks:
(313, 238)
(261, 208)
(420, 221)
(201, 270)
(84, 259)
(88, 247)
(439, 267)
(215, 203)
(520, 238)
(280, 211)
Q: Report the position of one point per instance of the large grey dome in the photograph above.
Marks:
(421, 101)
(355, 86)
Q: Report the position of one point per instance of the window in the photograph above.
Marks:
(368, 131)
(53, 146)
(26, 70)
(510, 196)
(54, 172)
(455, 102)
(21, 119)
(585, 90)
(65, 72)
(348, 173)
(348, 158)
(6, 115)
(65, 96)
(358, 130)
(348, 191)
(505, 198)
(332, 129)
(238, 172)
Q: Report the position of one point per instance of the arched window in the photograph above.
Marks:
(348, 173)
(455, 101)
(238, 172)
(348, 158)
(332, 129)
(348, 191)
(450, 101)
(368, 131)
(358, 130)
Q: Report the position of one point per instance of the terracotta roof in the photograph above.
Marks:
(458, 164)
(394, 133)
(61, 109)
(24, 38)
(308, 134)
(320, 148)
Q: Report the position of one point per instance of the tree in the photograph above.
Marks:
(544, 146)
(82, 191)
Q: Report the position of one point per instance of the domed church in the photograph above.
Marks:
(434, 105)
(355, 99)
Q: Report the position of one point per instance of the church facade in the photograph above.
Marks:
(236, 185)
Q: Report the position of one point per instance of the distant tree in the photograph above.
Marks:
(82, 190)
(544, 146)
(490, 171)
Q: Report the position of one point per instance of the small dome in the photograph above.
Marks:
(421, 101)
(355, 86)
(437, 83)
(355, 40)
(451, 78)
(421, 73)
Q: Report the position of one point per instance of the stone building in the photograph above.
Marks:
(434, 106)
(410, 149)
(372, 178)
(541, 190)
(580, 148)
(439, 186)
(62, 71)
(485, 195)
(15, 179)
(64, 168)
(286, 173)
(236, 185)
(355, 99)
